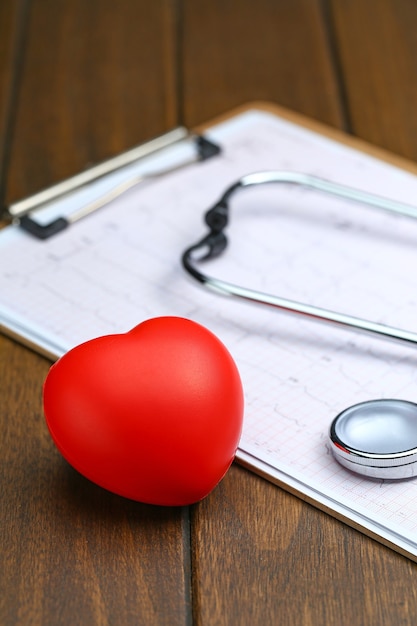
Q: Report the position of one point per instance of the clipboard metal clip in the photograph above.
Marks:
(203, 149)
(215, 242)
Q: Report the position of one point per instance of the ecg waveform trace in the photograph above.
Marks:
(113, 270)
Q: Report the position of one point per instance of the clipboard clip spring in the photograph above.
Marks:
(215, 242)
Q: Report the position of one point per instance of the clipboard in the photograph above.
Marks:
(297, 376)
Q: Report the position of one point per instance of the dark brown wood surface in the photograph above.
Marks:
(81, 81)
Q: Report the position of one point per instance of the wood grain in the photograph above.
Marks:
(239, 51)
(261, 556)
(90, 79)
(72, 552)
(11, 32)
(98, 77)
(377, 45)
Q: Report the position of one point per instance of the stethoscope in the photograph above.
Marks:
(377, 438)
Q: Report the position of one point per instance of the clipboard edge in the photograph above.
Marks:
(99, 170)
(261, 469)
(341, 137)
(154, 144)
(321, 128)
(22, 340)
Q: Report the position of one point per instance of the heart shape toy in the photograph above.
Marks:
(154, 414)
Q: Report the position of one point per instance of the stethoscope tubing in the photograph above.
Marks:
(214, 243)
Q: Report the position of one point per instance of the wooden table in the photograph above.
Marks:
(82, 80)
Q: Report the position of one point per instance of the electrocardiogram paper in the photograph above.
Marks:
(112, 270)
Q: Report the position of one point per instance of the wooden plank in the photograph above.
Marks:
(261, 556)
(238, 51)
(378, 50)
(98, 78)
(72, 552)
(11, 27)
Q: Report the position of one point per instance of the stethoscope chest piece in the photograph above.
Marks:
(377, 438)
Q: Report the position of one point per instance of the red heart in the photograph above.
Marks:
(154, 415)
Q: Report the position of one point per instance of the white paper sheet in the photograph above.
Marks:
(112, 270)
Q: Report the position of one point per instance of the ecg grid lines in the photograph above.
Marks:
(112, 271)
